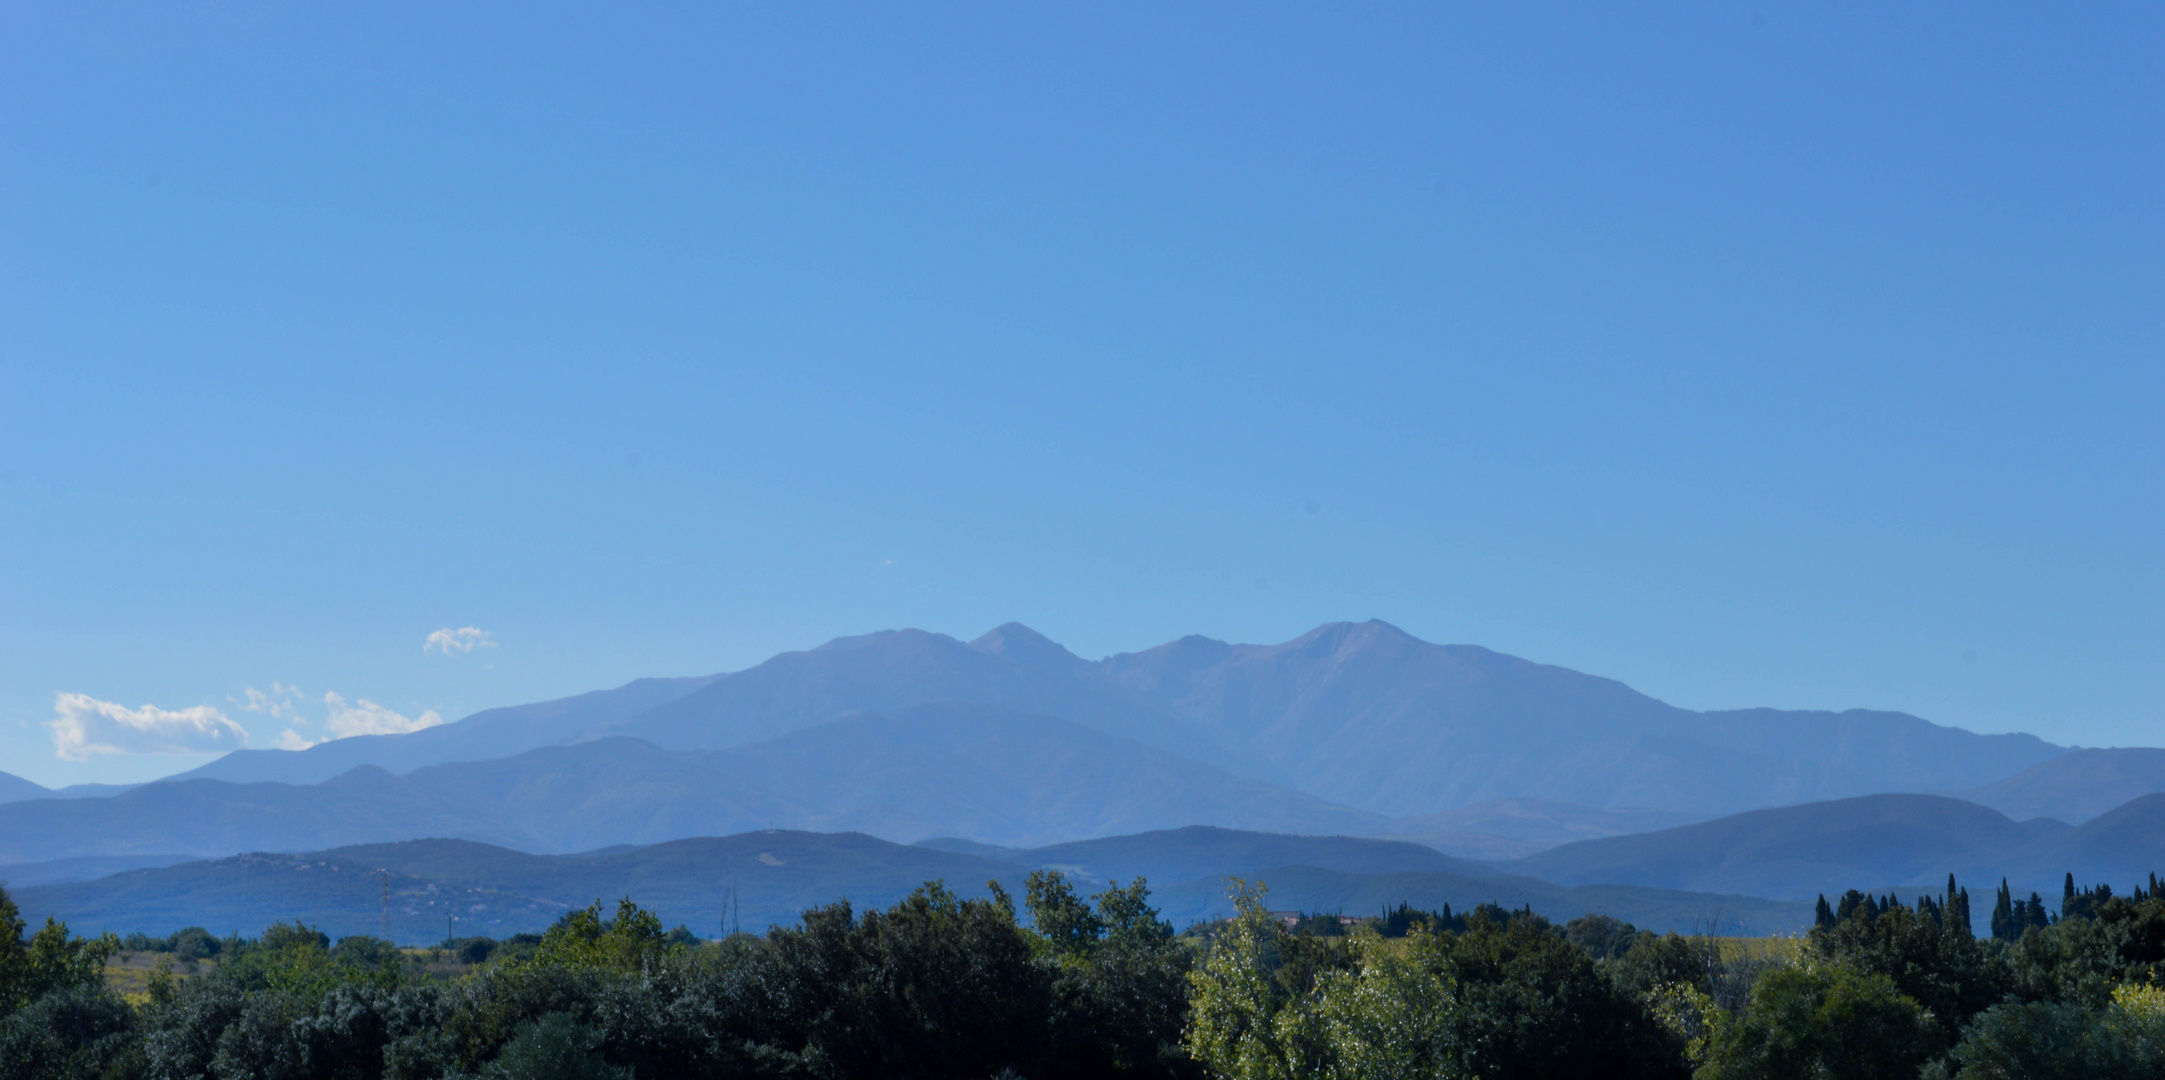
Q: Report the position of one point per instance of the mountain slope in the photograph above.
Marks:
(956, 768)
(2121, 847)
(491, 733)
(1515, 828)
(211, 817)
(1359, 715)
(1207, 852)
(754, 879)
(2076, 786)
(82, 868)
(942, 769)
(1011, 668)
(1793, 852)
(1310, 889)
(14, 788)
(460, 887)
(1371, 717)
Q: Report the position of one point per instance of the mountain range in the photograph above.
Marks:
(440, 888)
(1504, 769)
(1359, 714)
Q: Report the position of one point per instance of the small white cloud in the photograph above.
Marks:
(365, 717)
(290, 739)
(83, 726)
(465, 639)
(282, 703)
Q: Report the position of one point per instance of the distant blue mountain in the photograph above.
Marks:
(491, 733)
(1906, 843)
(2121, 848)
(751, 880)
(1357, 715)
(1797, 852)
(943, 768)
(1200, 851)
(14, 788)
(2076, 786)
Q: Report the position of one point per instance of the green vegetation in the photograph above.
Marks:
(943, 986)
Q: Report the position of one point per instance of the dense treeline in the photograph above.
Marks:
(944, 987)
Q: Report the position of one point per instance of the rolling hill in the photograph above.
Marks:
(1797, 852)
(1201, 851)
(1503, 829)
(462, 887)
(2121, 847)
(1311, 889)
(2076, 786)
(14, 788)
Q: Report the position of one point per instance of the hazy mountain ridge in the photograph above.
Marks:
(14, 788)
(1504, 829)
(490, 733)
(1199, 851)
(1361, 715)
(2075, 786)
(2119, 848)
(936, 769)
(1369, 716)
(1792, 852)
(1899, 842)
(763, 877)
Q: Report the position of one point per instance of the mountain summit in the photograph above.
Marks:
(1359, 715)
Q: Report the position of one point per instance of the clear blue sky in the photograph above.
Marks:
(1751, 354)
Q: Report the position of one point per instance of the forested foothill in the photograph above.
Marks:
(1060, 985)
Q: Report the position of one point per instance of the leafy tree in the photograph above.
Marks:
(1398, 1014)
(2084, 904)
(1929, 952)
(2082, 960)
(2043, 1040)
(51, 960)
(2011, 918)
(1509, 998)
(364, 951)
(1819, 1021)
(935, 986)
(632, 941)
(75, 1031)
(1059, 914)
(554, 1047)
(1245, 1021)
(1602, 936)
(1120, 1005)
(1536, 1006)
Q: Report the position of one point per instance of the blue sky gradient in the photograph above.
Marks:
(1753, 355)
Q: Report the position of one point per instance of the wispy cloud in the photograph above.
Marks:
(362, 717)
(83, 726)
(342, 718)
(282, 703)
(365, 717)
(463, 640)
